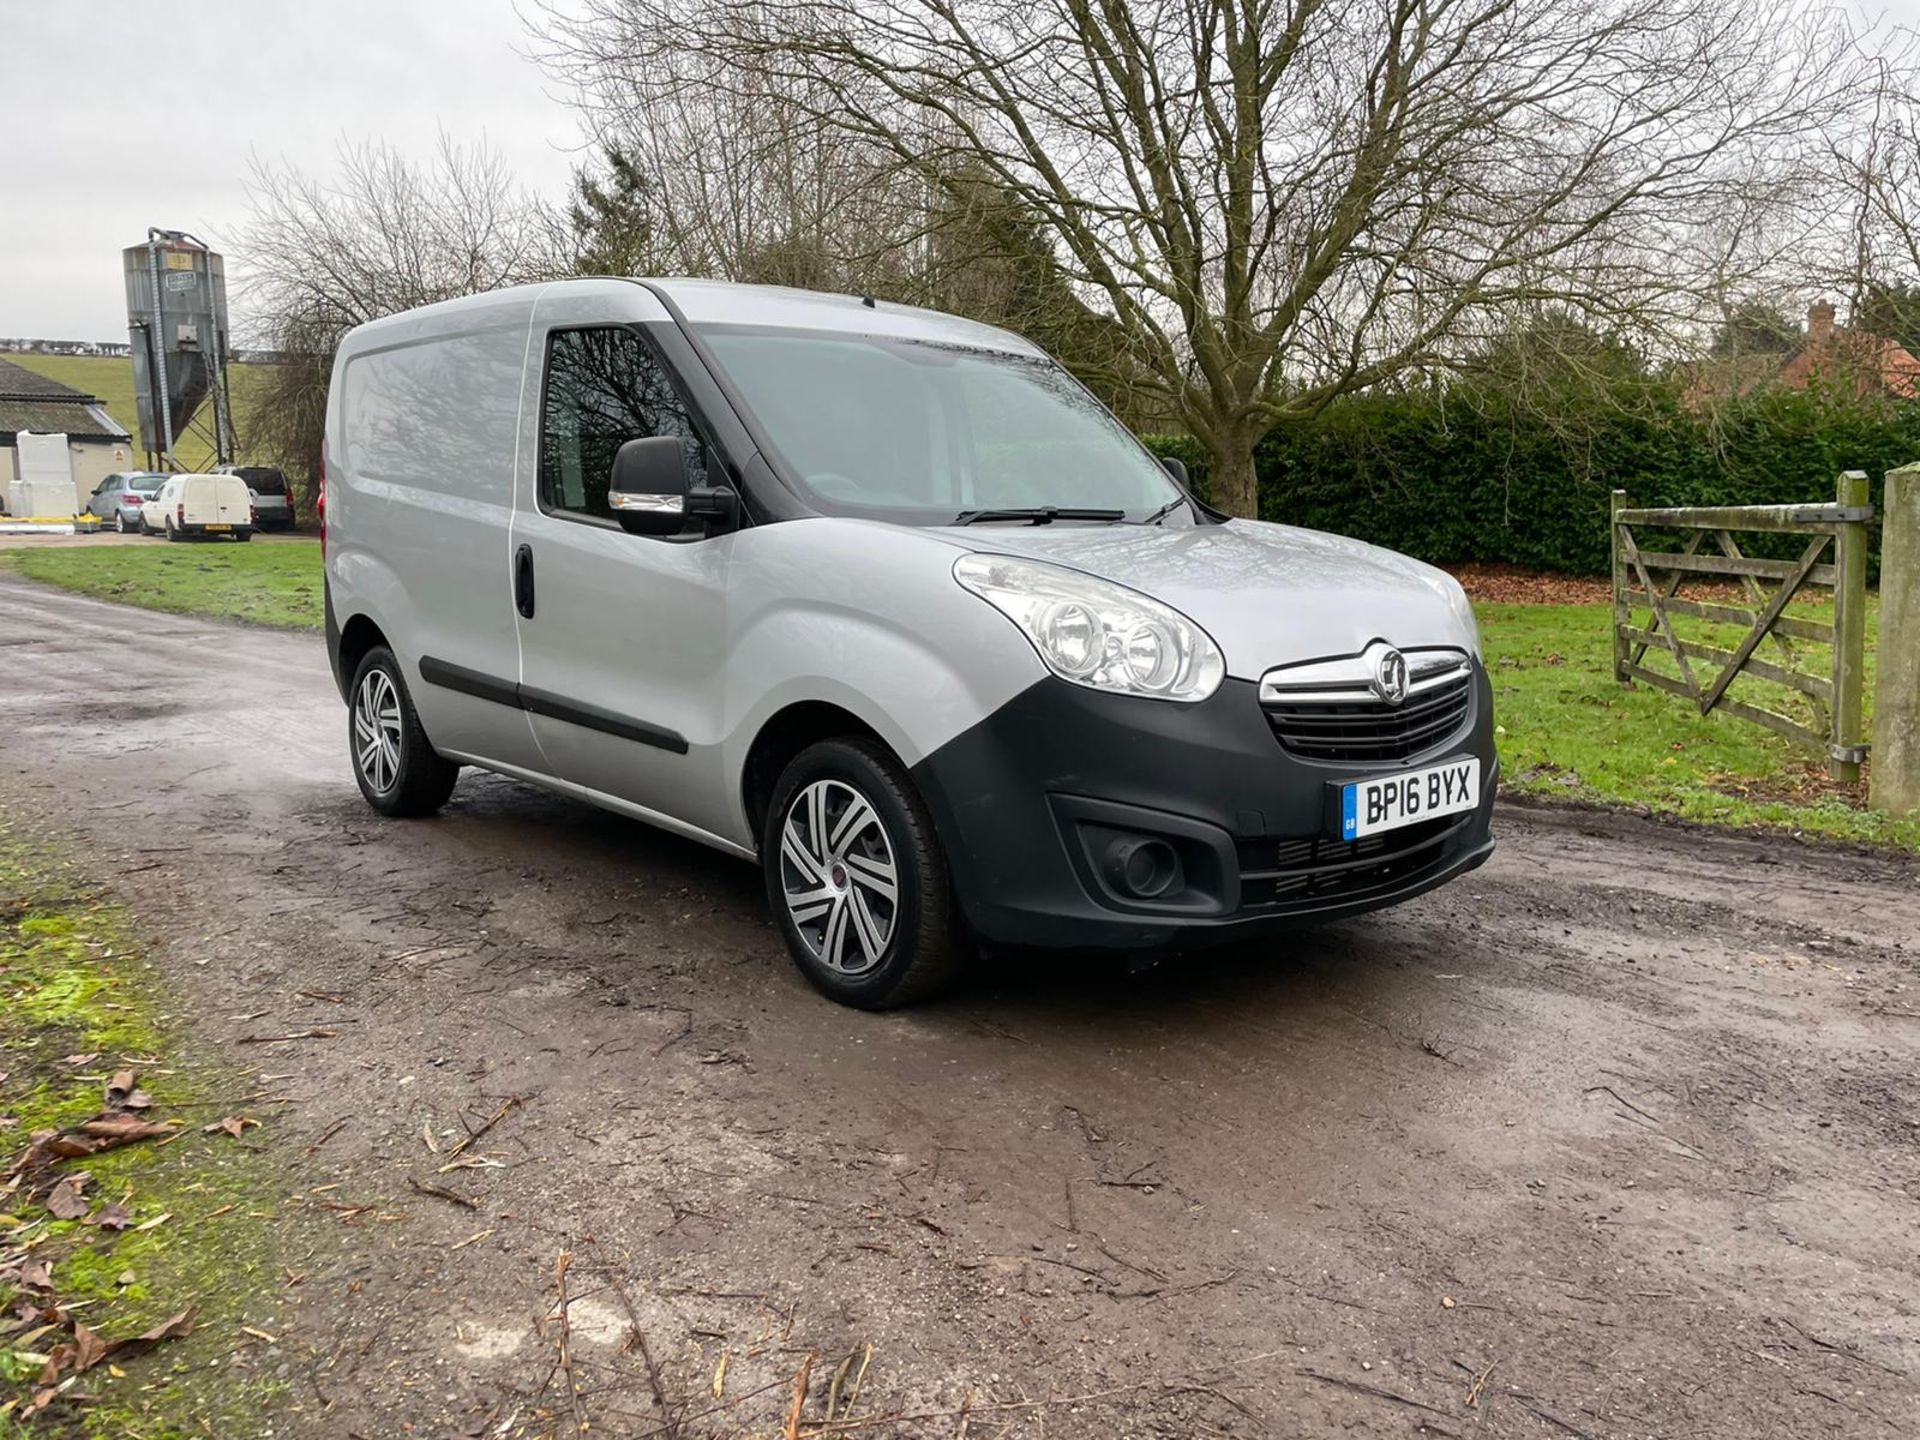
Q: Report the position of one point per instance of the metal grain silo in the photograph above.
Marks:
(177, 317)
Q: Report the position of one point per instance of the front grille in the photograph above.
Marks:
(1282, 872)
(1369, 729)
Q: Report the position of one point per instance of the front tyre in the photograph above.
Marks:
(856, 878)
(399, 771)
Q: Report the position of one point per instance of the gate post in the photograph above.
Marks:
(1849, 633)
(1621, 614)
(1896, 719)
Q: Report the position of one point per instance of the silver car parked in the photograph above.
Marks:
(886, 602)
(117, 500)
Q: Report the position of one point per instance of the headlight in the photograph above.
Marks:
(1451, 591)
(1463, 607)
(1096, 633)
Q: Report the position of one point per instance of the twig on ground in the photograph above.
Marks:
(800, 1383)
(316, 1034)
(1609, 1090)
(1840, 1350)
(491, 1121)
(1360, 1387)
(566, 1342)
(640, 1343)
(325, 1135)
(1479, 1383)
(1532, 1406)
(440, 1193)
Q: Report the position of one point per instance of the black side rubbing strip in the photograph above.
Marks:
(468, 682)
(540, 702)
(593, 717)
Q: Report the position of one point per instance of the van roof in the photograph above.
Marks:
(719, 302)
(722, 302)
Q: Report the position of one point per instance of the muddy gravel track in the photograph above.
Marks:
(1619, 1136)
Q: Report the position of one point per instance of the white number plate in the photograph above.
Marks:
(1369, 806)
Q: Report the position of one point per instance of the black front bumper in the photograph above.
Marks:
(1023, 800)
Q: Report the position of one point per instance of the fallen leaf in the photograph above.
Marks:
(36, 1275)
(114, 1216)
(156, 1221)
(119, 1088)
(86, 1059)
(87, 1349)
(64, 1201)
(104, 1132)
(720, 1377)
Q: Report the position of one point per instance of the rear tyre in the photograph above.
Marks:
(243, 535)
(173, 532)
(398, 770)
(119, 522)
(857, 879)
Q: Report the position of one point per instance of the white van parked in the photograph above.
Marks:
(190, 506)
(885, 601)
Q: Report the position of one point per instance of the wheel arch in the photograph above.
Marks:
(359, 635)
(785, 734)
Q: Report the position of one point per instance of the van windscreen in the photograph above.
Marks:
(920, 432)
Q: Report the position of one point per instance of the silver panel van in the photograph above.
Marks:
(886, 602)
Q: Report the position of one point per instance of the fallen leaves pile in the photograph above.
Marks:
(37, 1329)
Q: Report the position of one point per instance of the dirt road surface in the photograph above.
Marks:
(1619, 1136)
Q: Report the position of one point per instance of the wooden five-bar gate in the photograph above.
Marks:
(1833, 558)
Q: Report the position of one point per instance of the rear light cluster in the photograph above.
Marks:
(320, 502)
(180, 513)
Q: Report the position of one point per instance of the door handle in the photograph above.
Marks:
(523, 581)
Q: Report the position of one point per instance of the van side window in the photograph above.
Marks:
(604, 388)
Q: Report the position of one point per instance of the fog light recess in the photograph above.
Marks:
(1142, 867)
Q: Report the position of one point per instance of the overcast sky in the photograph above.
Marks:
(117, 115)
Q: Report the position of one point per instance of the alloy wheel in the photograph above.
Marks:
(839, 876)
(377, 730)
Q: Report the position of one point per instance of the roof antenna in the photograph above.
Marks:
(867, 300)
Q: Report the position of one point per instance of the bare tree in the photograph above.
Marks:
(382, 233)
(1283, 200)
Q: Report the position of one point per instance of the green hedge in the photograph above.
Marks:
(1497, 480)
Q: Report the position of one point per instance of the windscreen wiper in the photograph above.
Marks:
(1165, 510)
(1038, 515)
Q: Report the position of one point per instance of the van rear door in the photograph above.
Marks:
(230, 506)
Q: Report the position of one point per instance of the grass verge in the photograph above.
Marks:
(1571, 732)
(274, 583)
(110, 1246)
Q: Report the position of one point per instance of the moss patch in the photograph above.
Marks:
(77, 1004)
